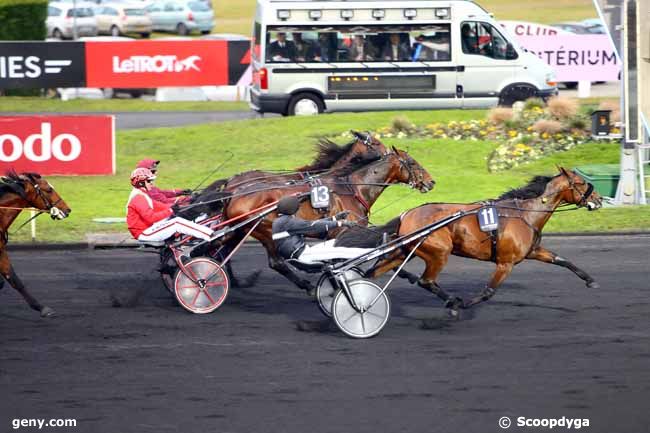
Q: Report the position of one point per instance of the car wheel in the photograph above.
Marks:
(57, 34)
(115, 31)
(181, 29)
(305, 104)
(108, 93)
(514, 93)
(571, 85)
(145, 35)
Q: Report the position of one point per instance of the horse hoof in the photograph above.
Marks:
(47, 312)
(453, 314)
(311, 292)
(593, 285)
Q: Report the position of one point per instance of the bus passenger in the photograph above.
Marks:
(394, 50)
(361, 50)
(304, 49)
(282, 50)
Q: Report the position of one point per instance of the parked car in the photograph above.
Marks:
(182, 17)
(117, 19)
(60, 20)
(586, 27)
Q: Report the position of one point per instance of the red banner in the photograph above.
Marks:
(63, 145)
(142, 64)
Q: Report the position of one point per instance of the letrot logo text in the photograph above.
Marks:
(155, 64)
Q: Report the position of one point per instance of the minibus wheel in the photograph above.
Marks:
(514, 93)
(305, 104)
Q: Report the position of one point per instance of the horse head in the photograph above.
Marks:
(410, 171)
(39, 193)
(578, 191)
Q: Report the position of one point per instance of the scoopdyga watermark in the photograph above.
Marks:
(545, 423)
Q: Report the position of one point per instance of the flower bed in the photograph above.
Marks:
(528, 132)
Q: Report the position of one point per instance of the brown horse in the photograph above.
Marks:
(522, 214)
(329, 157)
(16, 193)
(356, 192)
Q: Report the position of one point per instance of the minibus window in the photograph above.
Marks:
(485, 40)
(371, 43)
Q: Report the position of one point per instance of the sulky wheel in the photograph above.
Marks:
(371, 320)
(208, 290)
(325, 290)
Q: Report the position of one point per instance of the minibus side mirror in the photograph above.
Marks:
(511, 54)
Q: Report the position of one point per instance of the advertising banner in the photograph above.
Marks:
(576, 57)
(29, 65)
(58, 145)
(143, 64)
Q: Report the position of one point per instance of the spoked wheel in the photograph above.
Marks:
(208, 292)
(371, 320)
(325, 290)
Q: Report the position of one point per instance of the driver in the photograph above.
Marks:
(289, 234)
(169, 196)
(152, 220)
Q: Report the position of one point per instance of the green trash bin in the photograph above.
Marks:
(604, 177)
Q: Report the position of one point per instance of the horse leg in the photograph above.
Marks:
(9, 274)
(279, 265)
(388, 263)
(499, 275)
(546, 256)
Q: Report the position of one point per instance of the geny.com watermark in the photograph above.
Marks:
(547, 423)
(40, 423)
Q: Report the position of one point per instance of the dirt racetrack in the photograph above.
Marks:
(545, 347)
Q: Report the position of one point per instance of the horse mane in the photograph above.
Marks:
(12, 182)
(327, 153)
(535, 187)
(367, 237)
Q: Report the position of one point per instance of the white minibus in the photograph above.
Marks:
(310, 57)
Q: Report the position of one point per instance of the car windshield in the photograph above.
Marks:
(198, 7)
(81, 12)
(134, 12)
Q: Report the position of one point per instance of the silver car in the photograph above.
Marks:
(181, 17)
(61, 20)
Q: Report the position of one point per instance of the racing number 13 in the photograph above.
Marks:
(320, 194)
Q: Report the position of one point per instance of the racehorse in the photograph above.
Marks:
(355, 191)
(329, 156)
(18, 192)
(522, 214)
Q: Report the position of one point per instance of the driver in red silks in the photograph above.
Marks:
(167, 196)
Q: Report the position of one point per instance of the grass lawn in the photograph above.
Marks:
(37, 105)
(236, 16)
(190, 153)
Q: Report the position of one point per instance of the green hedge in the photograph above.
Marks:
(23, 20)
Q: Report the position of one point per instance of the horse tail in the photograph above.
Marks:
(368, 237)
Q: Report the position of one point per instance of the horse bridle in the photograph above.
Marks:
(583, 195)
(51, 207)
(414, 178)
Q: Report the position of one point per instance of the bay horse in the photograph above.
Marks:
(17, 192)
(522, 214)
(329, 156)
(355, 191)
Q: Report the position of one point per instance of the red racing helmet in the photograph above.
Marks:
(140, 175)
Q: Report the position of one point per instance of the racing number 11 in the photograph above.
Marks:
(488, 215)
